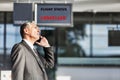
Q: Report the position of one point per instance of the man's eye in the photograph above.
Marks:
(36, 28)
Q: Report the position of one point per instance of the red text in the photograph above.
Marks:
(60, 18)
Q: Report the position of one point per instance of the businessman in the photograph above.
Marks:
(27, 63)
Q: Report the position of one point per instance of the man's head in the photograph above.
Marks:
(30, 31)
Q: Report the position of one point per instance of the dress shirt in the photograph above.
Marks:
(29, 43)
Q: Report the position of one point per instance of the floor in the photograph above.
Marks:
(88, 73)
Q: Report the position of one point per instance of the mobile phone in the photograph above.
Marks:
(39, 39)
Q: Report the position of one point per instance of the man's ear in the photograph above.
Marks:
(26, 31)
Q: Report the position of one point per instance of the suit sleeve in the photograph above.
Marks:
(18, 62)
(48, 60)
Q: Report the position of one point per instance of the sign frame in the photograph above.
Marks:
(55, 24)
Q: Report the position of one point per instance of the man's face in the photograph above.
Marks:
(33, 31)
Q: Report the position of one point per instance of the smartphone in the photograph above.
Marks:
(39, 39)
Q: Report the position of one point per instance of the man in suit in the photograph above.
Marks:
(27, 63)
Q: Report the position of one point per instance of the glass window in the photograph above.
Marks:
(100, 42)
(13, 36)
(1, 37)
(1, 45)
(74, 42)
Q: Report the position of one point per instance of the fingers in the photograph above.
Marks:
(43, 42)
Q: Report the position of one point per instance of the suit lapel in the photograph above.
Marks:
(36, 57)
(27, 46)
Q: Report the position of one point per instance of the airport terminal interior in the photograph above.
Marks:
(88, 49)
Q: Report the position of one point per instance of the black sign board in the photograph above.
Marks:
(22, 13)
(114, 38)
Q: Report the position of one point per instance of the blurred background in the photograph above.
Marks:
(89, 50)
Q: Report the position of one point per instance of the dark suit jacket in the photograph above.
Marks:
(26, 66)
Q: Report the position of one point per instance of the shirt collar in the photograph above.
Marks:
(29, 43)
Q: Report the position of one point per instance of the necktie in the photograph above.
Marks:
(35, 51)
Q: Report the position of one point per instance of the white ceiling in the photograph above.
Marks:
(78, 5)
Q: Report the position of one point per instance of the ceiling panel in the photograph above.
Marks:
(78, 5)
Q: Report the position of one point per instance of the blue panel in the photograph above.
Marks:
(22, 13)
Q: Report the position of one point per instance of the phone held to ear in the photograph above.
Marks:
(39, 39)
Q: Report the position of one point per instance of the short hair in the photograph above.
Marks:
(23, 26)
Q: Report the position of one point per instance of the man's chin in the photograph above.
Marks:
(37, 38)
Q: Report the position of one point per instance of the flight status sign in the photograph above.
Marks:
(54, 14)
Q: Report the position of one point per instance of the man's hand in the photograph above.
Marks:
(43, 42)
